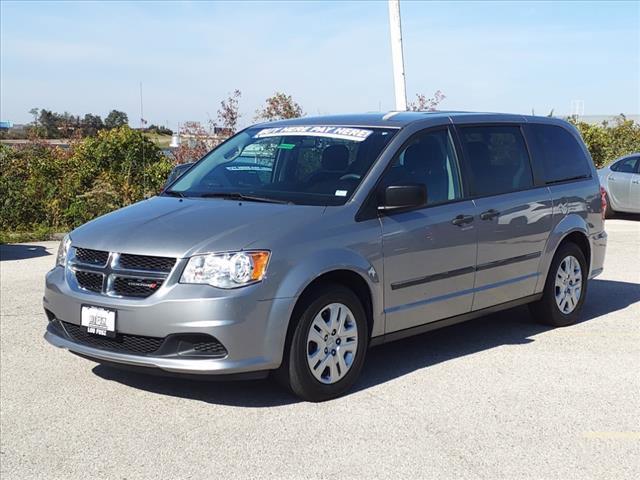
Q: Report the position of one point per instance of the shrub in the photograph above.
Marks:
(45, 187)
(606, 141)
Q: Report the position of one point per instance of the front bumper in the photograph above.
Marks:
(252, 329)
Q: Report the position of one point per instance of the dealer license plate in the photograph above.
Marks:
(99, 321)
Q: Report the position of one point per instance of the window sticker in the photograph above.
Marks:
(287, 146)
(329, 131)
(341, 193)
(247, 168)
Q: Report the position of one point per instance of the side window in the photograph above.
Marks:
(628, 165)
(429, 159)
(498, 159)
(561, 154)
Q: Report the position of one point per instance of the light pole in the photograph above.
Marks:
(397, 56)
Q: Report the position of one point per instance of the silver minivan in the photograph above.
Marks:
(296, 245)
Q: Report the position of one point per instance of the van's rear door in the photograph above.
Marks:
(514, 215)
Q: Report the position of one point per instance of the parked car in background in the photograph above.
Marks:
(177, 172)
(296, 245)
(621, 181)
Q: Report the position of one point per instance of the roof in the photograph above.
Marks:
(401, 119)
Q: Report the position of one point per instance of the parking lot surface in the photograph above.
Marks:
(497, 397)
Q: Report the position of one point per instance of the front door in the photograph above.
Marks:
(635, 190)
(429, 252)
(619, 183)
(514, 217)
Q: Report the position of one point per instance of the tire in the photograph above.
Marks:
(565, 310)
(323, 347)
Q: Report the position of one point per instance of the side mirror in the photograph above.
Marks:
(397, 197)
(176, 173)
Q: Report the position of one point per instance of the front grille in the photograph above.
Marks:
(135, 287)
(126, 275)
(145, 262)
(90, 280)
(136, 344)
(92, 257)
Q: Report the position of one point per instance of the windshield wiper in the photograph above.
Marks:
(173, 193)
(242, 196)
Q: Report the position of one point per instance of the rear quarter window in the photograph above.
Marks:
(558, 154)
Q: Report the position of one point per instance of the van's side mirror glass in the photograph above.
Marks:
(396, 197)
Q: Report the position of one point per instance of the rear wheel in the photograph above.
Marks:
(565, 288)
(328, 346)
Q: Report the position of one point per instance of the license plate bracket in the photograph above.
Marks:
(98, 321)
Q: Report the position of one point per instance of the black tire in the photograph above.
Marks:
(295, 373)
(546, 310)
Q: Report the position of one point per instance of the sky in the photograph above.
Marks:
(332, 57)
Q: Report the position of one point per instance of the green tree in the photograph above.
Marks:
(91, 124)
(35, 112)
(68, 124)
(116, 119)
(159, 129)
(49, 122)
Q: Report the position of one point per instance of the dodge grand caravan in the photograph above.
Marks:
(295, 245)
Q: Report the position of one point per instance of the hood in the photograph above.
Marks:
(173, 227)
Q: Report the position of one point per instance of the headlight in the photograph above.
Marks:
(63, 251)
(226, 270)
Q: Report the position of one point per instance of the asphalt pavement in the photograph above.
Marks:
(497, 397)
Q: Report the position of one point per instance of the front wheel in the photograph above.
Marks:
(328, 346)
(565, 289)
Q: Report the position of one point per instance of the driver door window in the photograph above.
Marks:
(430, 159)
(628, 165)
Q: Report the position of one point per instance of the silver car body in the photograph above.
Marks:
(414, 271)
(622, 187)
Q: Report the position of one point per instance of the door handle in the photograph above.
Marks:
(635, 181)
(489, 214)
(462, 220)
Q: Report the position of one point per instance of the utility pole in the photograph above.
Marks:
(397, 56)
(144, 159)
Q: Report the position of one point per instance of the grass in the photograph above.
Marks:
(161, 141)
(37, 235)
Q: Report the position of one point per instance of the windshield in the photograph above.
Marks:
(307, 165)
